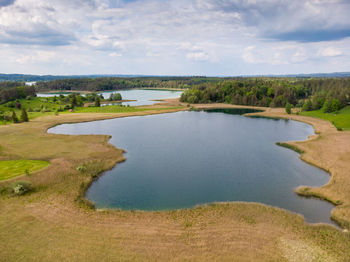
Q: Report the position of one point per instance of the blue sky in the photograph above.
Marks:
(174, 37)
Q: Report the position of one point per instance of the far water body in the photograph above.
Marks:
(143, 97)
(183, 159)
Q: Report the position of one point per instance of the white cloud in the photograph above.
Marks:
(249, 56)
(114, 54)
(38, 56)
(330, 52)
(160, 37)
(197, 56)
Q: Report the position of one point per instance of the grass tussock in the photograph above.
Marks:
(289, 146)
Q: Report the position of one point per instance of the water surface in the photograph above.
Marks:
(183, 159)
(142, 96)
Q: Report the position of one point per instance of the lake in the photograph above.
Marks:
(142, 96)
(179, 160)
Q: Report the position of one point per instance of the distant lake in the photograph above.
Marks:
(183, 159)
(142, 96)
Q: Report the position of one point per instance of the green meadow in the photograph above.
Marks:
(12, 168)
(340, 119)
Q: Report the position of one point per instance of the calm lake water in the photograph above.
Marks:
(143, 97)
(183, 159)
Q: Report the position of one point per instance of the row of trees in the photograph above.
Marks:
(115, 83)
(310, 94)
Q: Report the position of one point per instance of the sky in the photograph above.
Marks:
(174, 37)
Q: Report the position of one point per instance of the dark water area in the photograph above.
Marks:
(183, 159)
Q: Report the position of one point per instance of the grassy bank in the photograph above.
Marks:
(53, 224)
(13, 168)
(43, 106)
(341, 119)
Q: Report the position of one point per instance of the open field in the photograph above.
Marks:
(12, 168)
(341, 119)
(55, 223)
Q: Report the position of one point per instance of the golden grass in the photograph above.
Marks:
(51, 224)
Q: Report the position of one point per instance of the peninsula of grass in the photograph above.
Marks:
(340, 119)
(13, 168)
(43, 106)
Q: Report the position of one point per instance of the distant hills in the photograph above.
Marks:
(314, 75)
(34, 78)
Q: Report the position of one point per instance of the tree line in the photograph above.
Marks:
(11, 92)
(310, 94)
(117, 83)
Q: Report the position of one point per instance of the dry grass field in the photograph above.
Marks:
(54, 223)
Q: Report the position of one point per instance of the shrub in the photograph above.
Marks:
(307, 106)
(115, 97)
(288, 108)
(11, 104)
(82, 168)
(97, 102)
(20, 188)
(327, 107)
(336, 105)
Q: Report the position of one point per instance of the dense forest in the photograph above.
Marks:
(10, 91)
(34, 78)
(330, 94)
(310, 94)
(115, 83)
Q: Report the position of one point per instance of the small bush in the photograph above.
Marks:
(288, 108)
(82, 168)
(20, 188)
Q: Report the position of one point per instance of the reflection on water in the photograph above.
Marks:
(183, 159)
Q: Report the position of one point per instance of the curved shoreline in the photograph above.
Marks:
(276, 113)
(300, 190)
(322, 128)
(225, 231)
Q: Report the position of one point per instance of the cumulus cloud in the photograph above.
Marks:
(197, 56)
(225, 36)
(303, 21)
(39, 56)
(330, 51)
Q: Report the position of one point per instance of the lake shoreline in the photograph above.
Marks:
(323, 130)
(252, 225)
(274, 113)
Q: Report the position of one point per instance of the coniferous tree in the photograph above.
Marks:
(97, 101)
(14, 117)
(24, 115)
(74, 101)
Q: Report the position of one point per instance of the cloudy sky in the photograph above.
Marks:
(174, 37)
